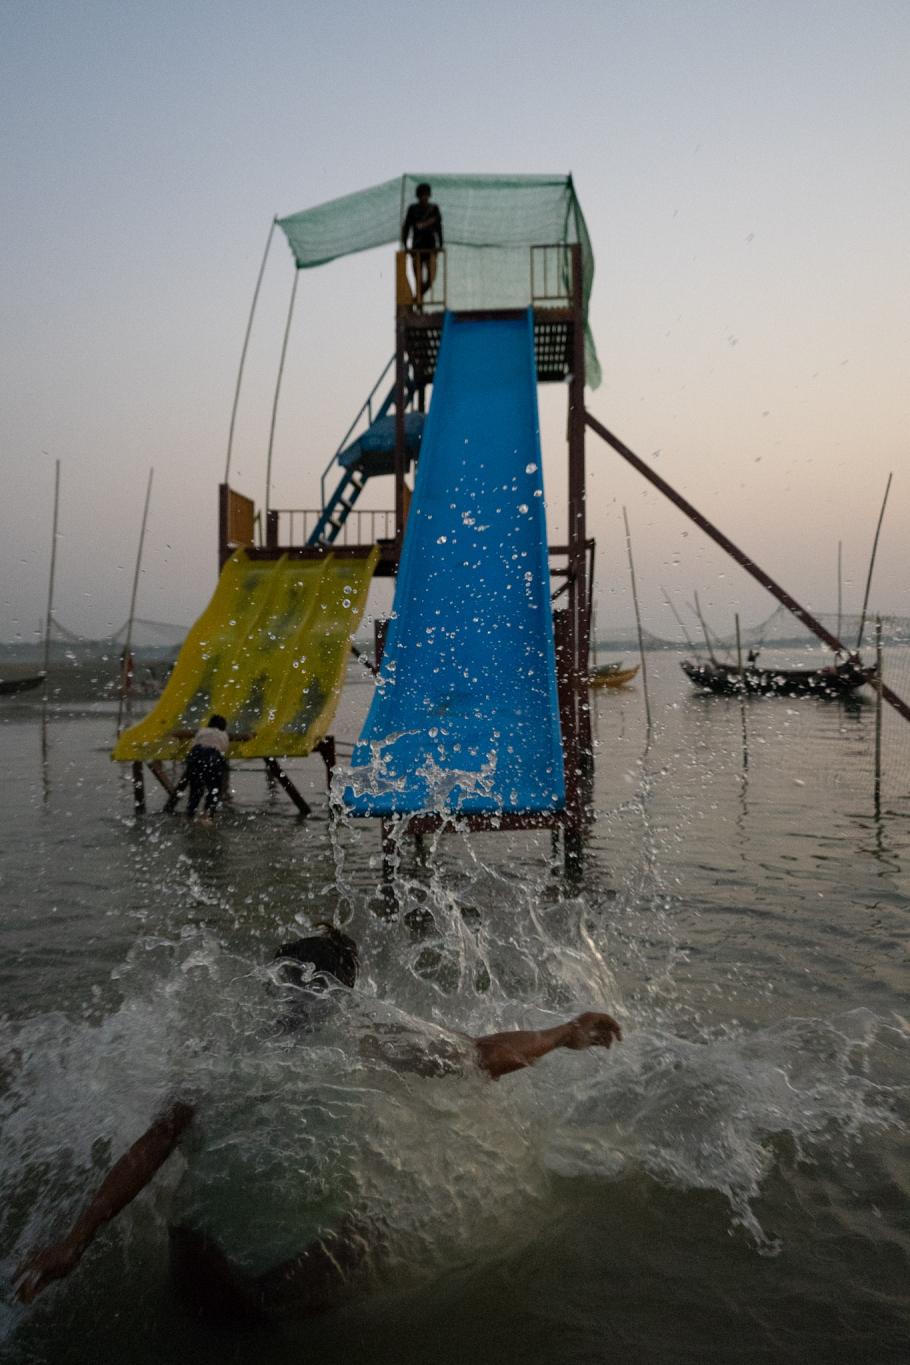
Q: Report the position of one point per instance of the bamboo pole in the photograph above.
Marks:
(128, 642)
(739, 648)
(50, 586)
(246, 342)
(840, 590)
(284, 351)
(862, 619)
(878, 716)
(46, 789)
(679, 620)
(704, 628)
(742, 694)
(641, 644)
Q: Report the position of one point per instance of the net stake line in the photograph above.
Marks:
(679, 619)
(50, 585)
(641, 643)
(128, 641)
(742, 694)
(881, 515)
(47, 632)
(766, 581)
(704, 630)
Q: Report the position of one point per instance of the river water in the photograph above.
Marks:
(728, 1185)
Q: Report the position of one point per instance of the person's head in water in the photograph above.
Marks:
(423, 192)
(328, 954)
(217, 723)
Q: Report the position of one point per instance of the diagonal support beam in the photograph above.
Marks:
(277, 773)
(735, 552)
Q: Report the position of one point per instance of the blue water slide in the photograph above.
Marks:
(465, 715)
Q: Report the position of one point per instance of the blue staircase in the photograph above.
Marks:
(369, 454)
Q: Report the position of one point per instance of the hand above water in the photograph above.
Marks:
(592, 1030)
(46, 1264)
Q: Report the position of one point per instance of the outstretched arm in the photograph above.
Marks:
(500, 1053)
(123, 1182)
(495, 1053)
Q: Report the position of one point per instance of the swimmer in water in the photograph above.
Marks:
(318, 970)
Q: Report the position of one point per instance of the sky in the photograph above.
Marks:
(742, 170)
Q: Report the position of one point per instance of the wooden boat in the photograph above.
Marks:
(10, 686)
(726, 680)
(611, 675)
(606, 675)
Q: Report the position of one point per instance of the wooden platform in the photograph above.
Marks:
(552, 341)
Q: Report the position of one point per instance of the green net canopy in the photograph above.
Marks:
(489, 224)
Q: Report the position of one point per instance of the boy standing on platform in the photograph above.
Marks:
(423, 224)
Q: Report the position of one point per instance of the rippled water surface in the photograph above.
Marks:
(729, 1185)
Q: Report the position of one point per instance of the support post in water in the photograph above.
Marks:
(275, 770)
(573, 850)
(388, 891)
(739, 648)
(156, 768)
(326, 751)
(572, 828)
(389, 849)
(50, 587)
(138, 789)
(878, 716)
(742, 693)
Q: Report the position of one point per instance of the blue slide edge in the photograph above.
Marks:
(465, 717)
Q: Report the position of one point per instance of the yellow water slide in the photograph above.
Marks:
(269, 653)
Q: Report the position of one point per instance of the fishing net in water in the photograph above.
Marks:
(490, 224)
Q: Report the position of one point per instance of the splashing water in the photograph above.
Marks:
(483, 934)
(704, 1115)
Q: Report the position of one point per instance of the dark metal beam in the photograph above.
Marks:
(275, 770)
(156, 768)
(736, 553)
(480, 822)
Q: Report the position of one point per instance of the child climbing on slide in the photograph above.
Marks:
(206, 767)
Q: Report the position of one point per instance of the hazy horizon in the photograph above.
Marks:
(741, 174)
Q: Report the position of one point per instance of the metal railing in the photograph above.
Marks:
(295, 524)
(410, 295)
(365, 409)
(551, 274)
